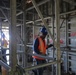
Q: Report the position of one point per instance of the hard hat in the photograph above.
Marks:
(44, 31)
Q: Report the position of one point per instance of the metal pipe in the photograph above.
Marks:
(2, 17)
(53, 20)
(38, 20)
(1, 36)
(39, 66)
(19, 13)
(6, 66)
(57, 19)
(70, 1)
(69, 51)
(66, 37)
(5, 15)
(68, 12)
(43, 20)
(62, 23)
(43, 2)
(50, 17)
(24, 37)
(7, 8)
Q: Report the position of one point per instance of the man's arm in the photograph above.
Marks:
(48, 46)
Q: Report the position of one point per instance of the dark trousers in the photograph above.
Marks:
(39, 71)
(3, 54)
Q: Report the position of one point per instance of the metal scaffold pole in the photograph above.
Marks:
(53, 20)
(39, 66)
(13, 41)
(24, 40)
(24, 35)
(57, 19)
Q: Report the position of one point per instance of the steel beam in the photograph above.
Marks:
(57, 21)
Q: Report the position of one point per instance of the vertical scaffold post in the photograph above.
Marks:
(24, 35)
(57, 19)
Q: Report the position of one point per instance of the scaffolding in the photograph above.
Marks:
(13, 23)
(56, 16)
(52, 14)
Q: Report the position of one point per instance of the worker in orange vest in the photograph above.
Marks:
(4, 47)
(40, 48)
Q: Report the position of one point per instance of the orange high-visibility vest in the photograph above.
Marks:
(41, 48)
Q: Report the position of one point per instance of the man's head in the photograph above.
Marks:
(44, 32)
(3, 36)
